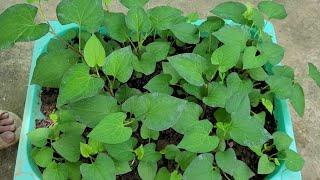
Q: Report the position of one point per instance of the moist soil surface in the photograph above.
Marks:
(49, 99)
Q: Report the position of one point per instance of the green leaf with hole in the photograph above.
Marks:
(102, 169)
(226, 57)
(201, 168)
(265, 166)
(78, 84)
(272, 9)
(18, 25)
(190, 66)
(88, 14)
(250, 60)
(94, 53)
(186, 32)
(111, 129)
(231, 10)
(119, 64)
(314, 73)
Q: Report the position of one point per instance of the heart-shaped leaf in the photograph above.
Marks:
(265, 166)
(272, 9)
(231, 10)
(94, 53)
(164, 17)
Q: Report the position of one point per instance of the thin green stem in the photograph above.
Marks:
(128, 122)
(110, 87)
(80, 38)
(97, 71)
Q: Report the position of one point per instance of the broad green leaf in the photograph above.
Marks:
(258, 74)
(124, 92)
(237, 85)
(73, 170)
(43, 157)
(314, 73)
(150, 154)
(238, 105)
(164, 17)
(94, 53)
(138, 20)
(148, 133)
(146, 64)
(38, 137)
(55, 171)
(71, 127)
(78, 84)
(122, 151)
(52, 65)
(293, 160)
(116, 26)
(250, 60)
(119, 64)
(88, 14)
(281, 140)
(199, 142)
(272, 52)
(160, 84)
(190, 67)
(196, 91)
(102, 169)
(272, 9)
(139, 152)
(151, 108)
(297, 99)
(163, 174)
(227, 162)
(186, 32)
(159, 50)
(91, 110)
(258, 18)
(233, 35)
(147, 170)
(248, 133)
(284, 71)
(68, 146)
(201, 168)
(281, 86)
(217, 95)
(231, 10)
(221, 115)
(111, 129)
(175, 175)
(226, 57)
(18, 25)
(260, 117)
(133, 3)
(184, 158)
(211, 25)
(168, 69)
(206, 46)
(265, 166)
(170, 151)
(122, 167)
(188, 118)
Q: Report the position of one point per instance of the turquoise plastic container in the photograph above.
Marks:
(26, 169)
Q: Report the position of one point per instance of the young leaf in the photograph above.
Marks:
(227, 162)
(91, 110)
(163, 17)
(150, 154)
(102, 169)
(170, 151)
(55, 171)
(293, 160)
(232, 35)
(201, 168)
(88, 14)
(94, 53)
(281, 140)
(248, 133)
(119, 64)
(38, 137)
(175, 175)
(163, 174)
(168, 69)
(272, 52)
(138, 20)
(116, 26)
(231, 10)
(112, 126)
(314, 73)
(297, 99)
(122, 151)
(86, 150)
(199, 142)
(42, 157)
(133, 3)
(160, 84)
(190, 67)
(226, 57)
(250, 60)
(122, 167)
(184, 158)
(238, 105)
(267, 104)
(186, 32)
(147, 170)
(151, 108)
(217, 95)
(272, 9)
(148, 133)
(78, 84)
(68, 146)
(19, 29)
(265, 166)
(159, 50)
(146, 64)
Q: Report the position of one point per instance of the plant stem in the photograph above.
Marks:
(225, 176)
(110, 87)
(97, 71)
(80, 38)
(128, 122)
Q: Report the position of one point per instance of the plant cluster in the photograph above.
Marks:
(152, 95)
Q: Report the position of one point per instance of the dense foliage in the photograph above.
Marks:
(125, 80)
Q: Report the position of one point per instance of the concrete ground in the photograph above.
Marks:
(299, 33)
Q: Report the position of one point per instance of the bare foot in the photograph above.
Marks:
(7, 128)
